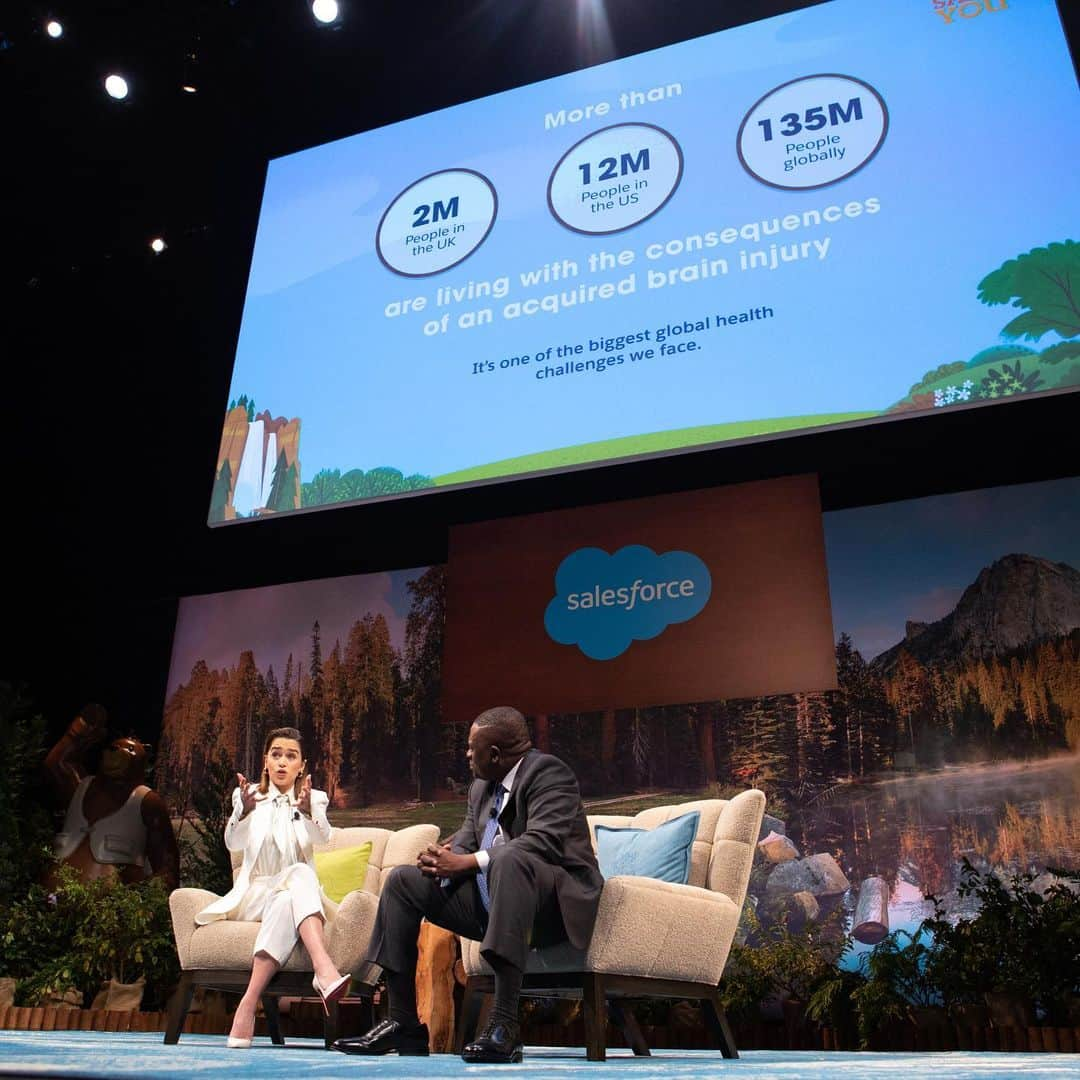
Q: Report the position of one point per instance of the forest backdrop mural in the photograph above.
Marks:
(954, 734)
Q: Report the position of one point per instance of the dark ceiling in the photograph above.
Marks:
(118, 360)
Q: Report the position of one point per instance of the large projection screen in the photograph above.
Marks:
(848, 213)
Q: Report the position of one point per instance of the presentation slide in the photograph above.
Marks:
(846, 213)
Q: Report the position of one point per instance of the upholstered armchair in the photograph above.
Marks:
(652, 938)
(218, 956)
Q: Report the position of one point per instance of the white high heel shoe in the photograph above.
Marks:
(337, 989)
(233, 1043)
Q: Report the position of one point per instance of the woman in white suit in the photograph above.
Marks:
(275, 824)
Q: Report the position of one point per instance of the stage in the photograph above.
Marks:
(99, 1055)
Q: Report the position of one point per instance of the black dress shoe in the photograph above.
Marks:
(499, 1043)
(386, 1037)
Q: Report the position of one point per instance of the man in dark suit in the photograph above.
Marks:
(519, 871)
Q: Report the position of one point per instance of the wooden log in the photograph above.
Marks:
(1034, 1038)
(1066, 1045)
(37, 1016)
(48, 1019)
(4, 1011)
(870, 923)
(438, 952)
(1049, 1039)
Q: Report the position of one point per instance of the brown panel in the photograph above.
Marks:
(766, 629)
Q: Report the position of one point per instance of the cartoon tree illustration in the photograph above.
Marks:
(220, 497)
(283, 487)
(1045, 281)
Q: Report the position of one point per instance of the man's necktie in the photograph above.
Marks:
(486, 843)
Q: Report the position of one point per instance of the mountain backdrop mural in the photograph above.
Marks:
(954, 732)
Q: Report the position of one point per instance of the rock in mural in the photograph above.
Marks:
(819, 875)
(777, 848)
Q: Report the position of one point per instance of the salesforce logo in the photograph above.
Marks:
(604, 602)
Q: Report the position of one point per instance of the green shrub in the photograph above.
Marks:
(26, 831)
(1063, 350)
(1020, 943)
(943, 371)
(998, 353)
(205, 862)
(85, 933)
(779, 962)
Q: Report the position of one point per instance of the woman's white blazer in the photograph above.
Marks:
(247, 835)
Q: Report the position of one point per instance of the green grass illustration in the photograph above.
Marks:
(655, 442)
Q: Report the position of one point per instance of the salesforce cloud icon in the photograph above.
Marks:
(604, 602)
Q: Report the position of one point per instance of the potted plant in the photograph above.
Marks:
(900, 985)
(777, 962)
(832, 1007)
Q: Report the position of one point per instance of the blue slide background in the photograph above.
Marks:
(979, 165)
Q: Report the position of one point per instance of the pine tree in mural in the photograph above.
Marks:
(860, 712)
(330, 749)
(762, 743)
(219, 497)
(369, 659)
(423, 662)
(283, 485)
(909, 694)
(288, 696)
(312, 711)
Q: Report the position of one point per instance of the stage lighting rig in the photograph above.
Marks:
(116, 86)
(54, 29)
(325, 11)
(158, 245)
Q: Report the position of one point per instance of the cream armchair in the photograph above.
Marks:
(218, 955)
(652, 938)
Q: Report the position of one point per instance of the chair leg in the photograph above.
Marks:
(179, 1004)
(469, 1019)
(592, 994)
(716, 1019)
(623, 1016)
(331, 1024)
(273, 1018)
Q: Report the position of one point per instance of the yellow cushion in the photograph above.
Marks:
(343, 870)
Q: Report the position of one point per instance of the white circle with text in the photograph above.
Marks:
(436, 222)
(813, 131)
(615, 178)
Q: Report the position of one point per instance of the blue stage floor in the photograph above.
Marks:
(115, 1056)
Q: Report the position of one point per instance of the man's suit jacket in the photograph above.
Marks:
(543, 816)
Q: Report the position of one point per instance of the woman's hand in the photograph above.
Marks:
(304, 802)
(249, 795)
(440, 861)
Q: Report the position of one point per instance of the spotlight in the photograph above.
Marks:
(54, 29)
(157, 245)
(189, 78)
(326, 11)
(116, 87)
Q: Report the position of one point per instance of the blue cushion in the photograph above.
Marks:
(663, 852)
